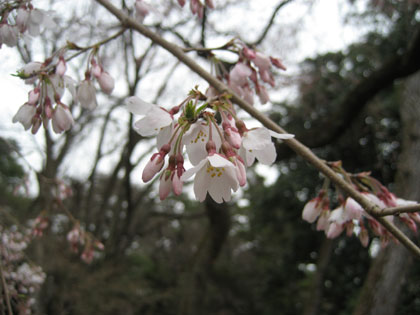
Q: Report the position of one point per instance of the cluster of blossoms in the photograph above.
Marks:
(219, 145)
(351, 217)
(250, 74)
(23, 279)
(50, 81)
(78, 238)
(19, 18)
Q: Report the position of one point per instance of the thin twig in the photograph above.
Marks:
(270, 23)
(294, 144)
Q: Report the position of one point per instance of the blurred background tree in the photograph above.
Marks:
(254, 255)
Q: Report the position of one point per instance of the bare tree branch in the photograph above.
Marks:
(270, 23)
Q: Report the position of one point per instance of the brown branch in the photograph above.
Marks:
(294, 144)
(398, 210)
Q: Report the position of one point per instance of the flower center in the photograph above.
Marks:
(200, 135)
(215, 171)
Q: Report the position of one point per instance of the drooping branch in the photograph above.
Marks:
(294, 144)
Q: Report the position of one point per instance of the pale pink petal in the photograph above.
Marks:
(137, 106)
(311, 211)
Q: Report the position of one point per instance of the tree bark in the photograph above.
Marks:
(387, 273)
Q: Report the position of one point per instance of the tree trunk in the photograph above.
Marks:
(386, 276)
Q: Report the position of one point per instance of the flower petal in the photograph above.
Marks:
(137, 106)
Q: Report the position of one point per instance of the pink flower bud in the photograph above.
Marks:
(263, 94)
(240, 172)
(33, 96)
(249, 53)
(232, 135)
(48, 108)
(165, 185)
(312, 210)
(36, 124)
(210, 147)
(86, 94)
(267, 77)
(154, 165)
(262, 62)
(96, 69)
(142, 10)
(334, 230)
(61, 67)
(8, 35)
(277, 63)
(177, 184)
(106, 82)
(87, 255)
(62, 119)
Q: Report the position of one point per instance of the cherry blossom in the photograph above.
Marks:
(86, 95)
(215, 175)
(196, 139)
(257, 144)
(25, 115)
(155, 117)
(312, 210)
(106, 82)
(62, 119)
(8, 35)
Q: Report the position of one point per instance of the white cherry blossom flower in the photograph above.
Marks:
(25, 115)
(195, 141)
(337, 220)
(8, 35)
(215, 175)
(257, 144)
(86, 95)
(62, 119)
(155, 118)
(353, 209)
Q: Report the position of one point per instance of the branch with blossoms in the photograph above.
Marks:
(50, 80)
(348, 215)
(78, 238)
(238, 98)
(219, 144)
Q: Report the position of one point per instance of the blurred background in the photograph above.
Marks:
(351, 93)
